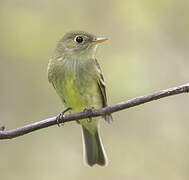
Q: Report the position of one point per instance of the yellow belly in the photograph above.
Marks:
(80, 98)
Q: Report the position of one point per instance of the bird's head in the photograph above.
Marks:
(78, 44)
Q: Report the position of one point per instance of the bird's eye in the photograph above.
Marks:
(79, 39)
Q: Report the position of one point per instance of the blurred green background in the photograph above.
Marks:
(147, 51)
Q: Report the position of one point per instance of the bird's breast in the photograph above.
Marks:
(76, 84)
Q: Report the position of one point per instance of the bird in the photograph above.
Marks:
(77, 78)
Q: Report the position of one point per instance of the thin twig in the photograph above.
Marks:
(9, 134)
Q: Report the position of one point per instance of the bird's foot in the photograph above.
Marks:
(60, 117)
(89, 110)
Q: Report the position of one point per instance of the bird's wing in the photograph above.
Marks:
(102, 88)
(101, 84)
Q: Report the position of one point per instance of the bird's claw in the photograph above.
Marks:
(60, 117)
(88, 110)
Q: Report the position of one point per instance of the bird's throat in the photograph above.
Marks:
(82, 55)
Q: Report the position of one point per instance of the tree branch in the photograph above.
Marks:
(9, 134)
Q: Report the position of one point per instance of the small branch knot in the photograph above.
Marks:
(187, 89)
(2, 128)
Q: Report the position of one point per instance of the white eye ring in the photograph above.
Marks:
(79, 39)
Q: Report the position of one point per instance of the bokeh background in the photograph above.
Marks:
(148, 50)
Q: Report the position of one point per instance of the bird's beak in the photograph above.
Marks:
(99, 40)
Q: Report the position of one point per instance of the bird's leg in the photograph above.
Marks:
(89, 110)
(60, 117)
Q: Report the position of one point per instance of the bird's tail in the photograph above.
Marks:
(93, 149)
